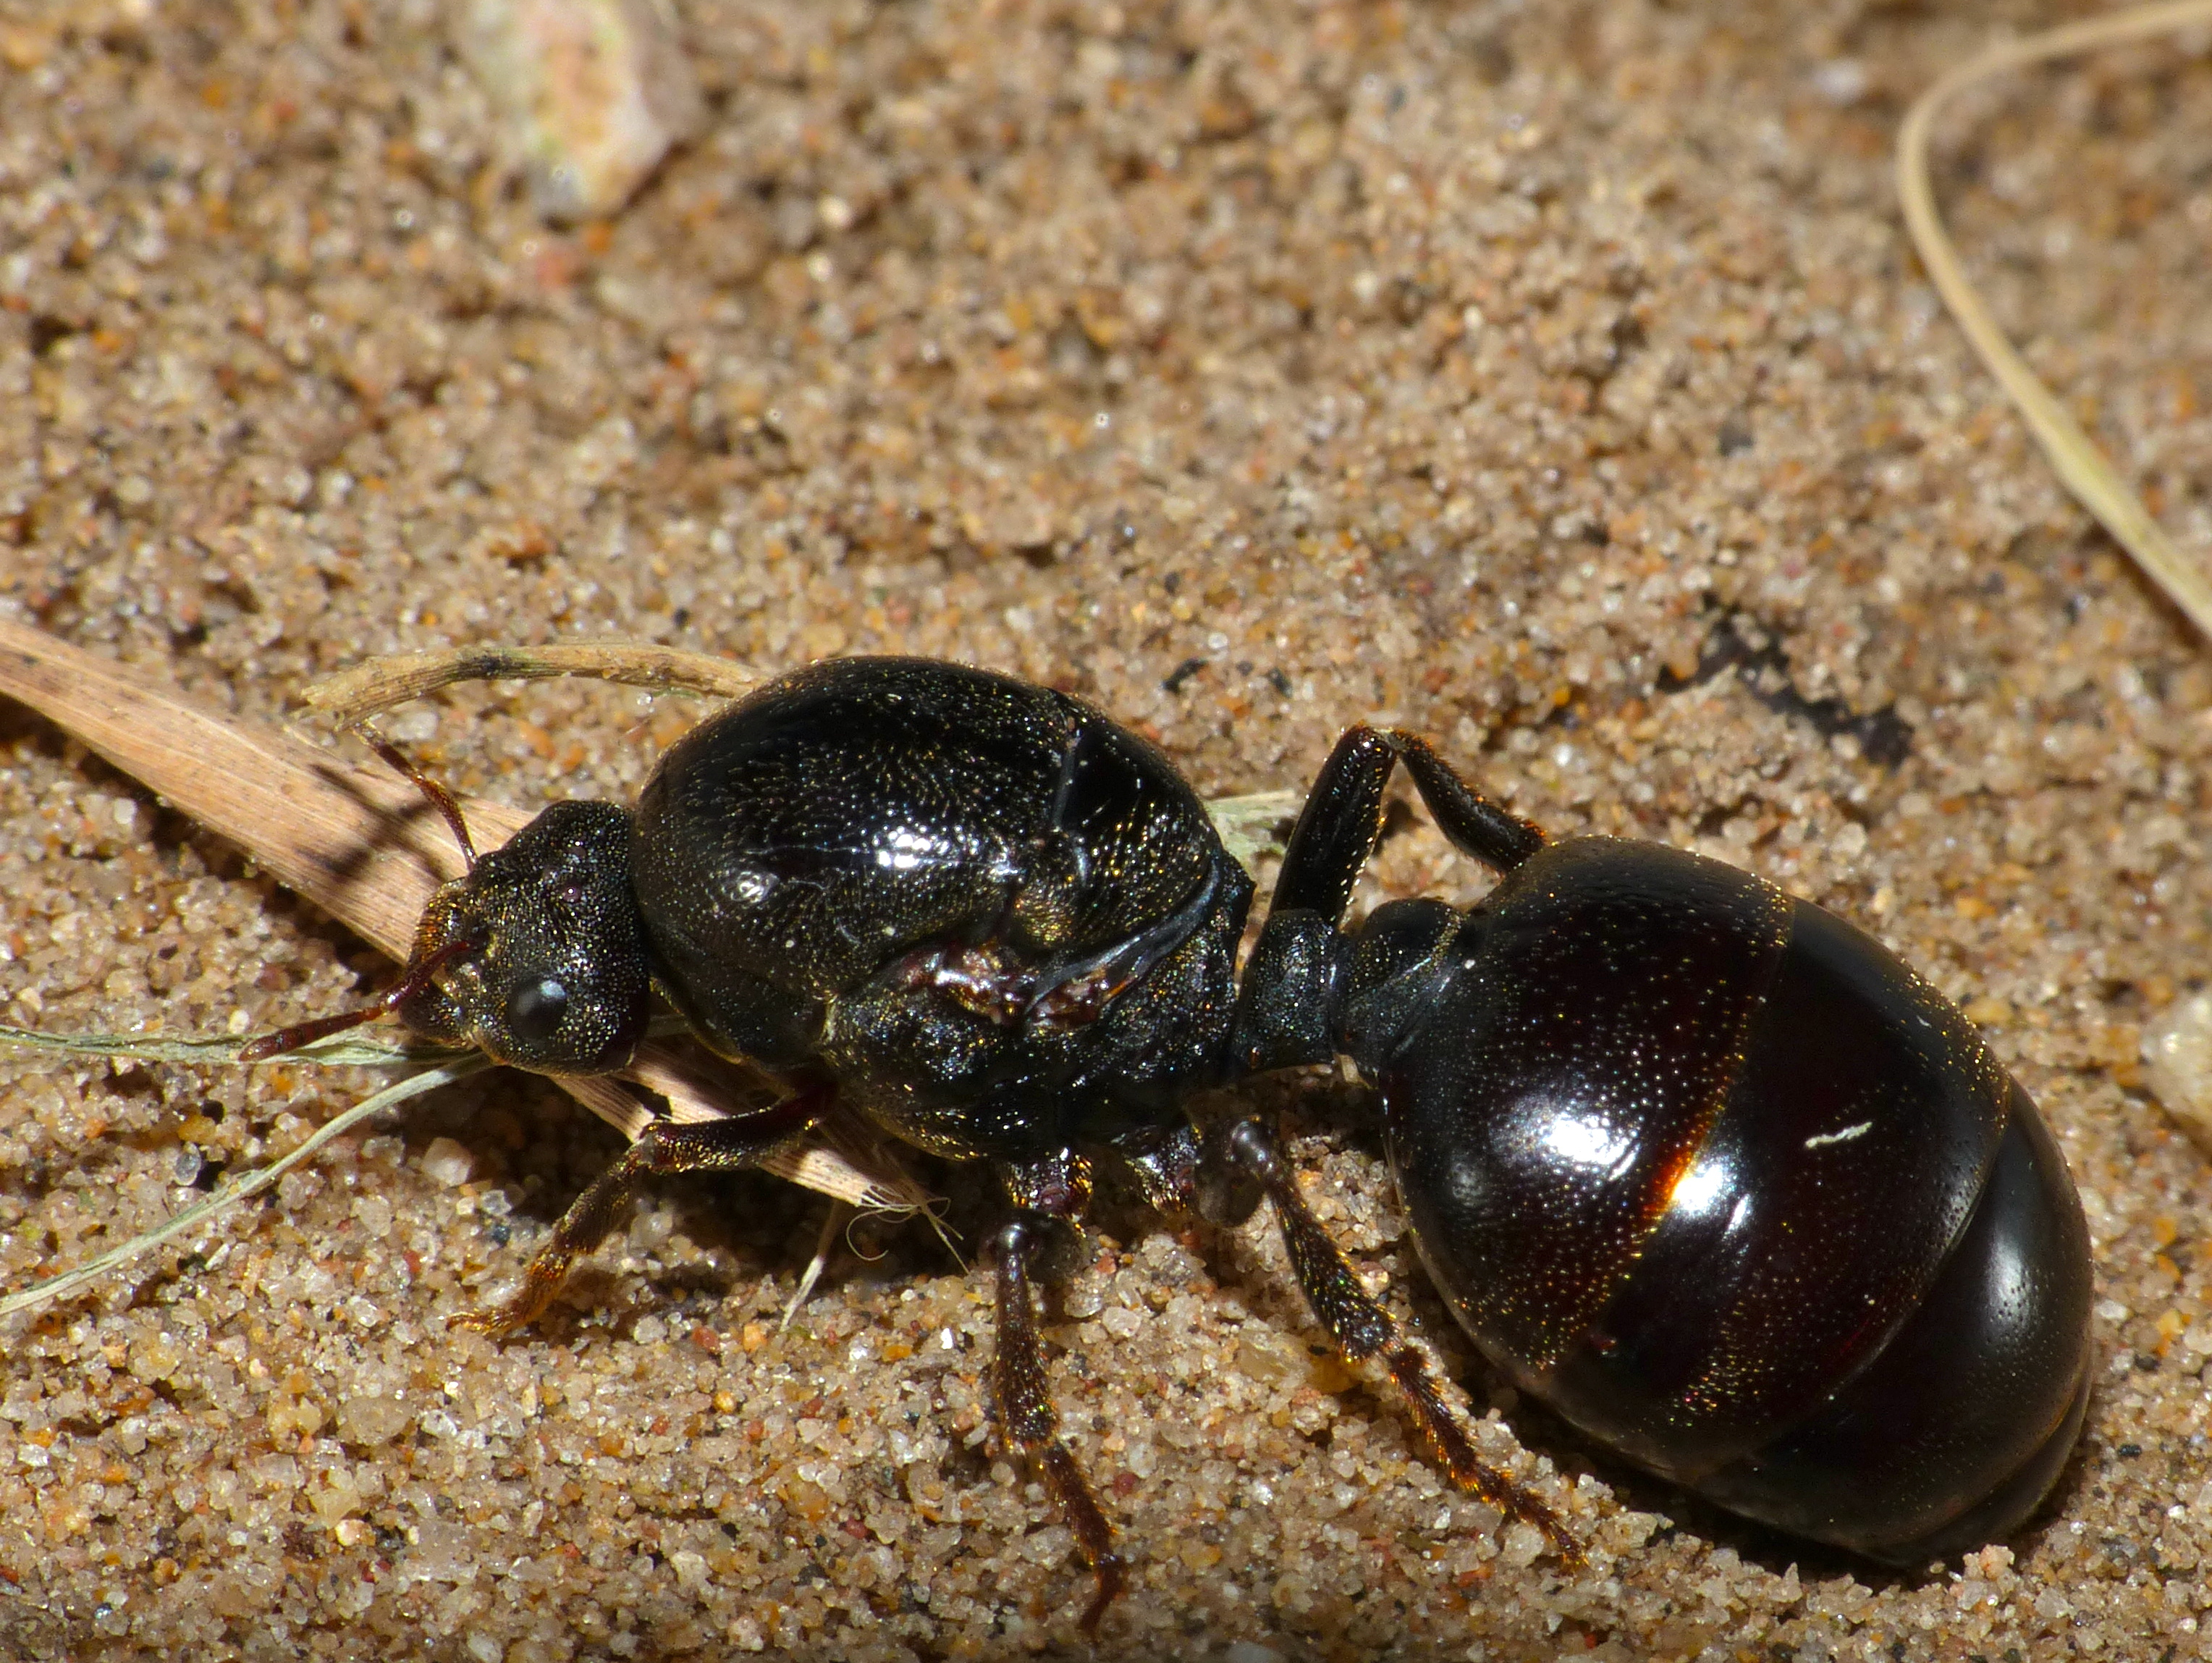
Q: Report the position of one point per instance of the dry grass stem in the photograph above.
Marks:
(2081, 464)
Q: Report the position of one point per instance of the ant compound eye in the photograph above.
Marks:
(534, 1009)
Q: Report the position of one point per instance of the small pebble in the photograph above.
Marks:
(592, 93)
(447, 1162)
(2176, 1054)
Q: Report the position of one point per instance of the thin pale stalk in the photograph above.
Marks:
(370, 688)
(241, 1189)
(2081, 467)
(350, 1050)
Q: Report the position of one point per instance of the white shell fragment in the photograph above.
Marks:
(592, 94)
(2176, 1057)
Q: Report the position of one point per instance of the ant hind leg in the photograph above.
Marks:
(1246, 1154)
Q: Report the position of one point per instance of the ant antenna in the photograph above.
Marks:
(439, 798)
(419, 976)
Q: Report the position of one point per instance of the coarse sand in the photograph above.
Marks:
(1554, 380)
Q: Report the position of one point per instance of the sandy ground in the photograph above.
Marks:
(1552, 380)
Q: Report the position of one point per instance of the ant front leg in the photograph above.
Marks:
(1036, 1245)
(1243, 1163)
(667, 1147)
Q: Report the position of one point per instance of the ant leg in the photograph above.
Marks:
(1475, 825)
(1026, 1251)
(1363, 1328)
(1026, 1413)
(704, 1146)
(1343, 814)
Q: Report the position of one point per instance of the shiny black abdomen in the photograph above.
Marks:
(1714, 1174)
(981, 905)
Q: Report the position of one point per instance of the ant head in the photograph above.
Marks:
(538, 956)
